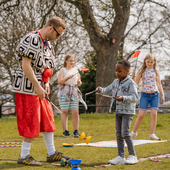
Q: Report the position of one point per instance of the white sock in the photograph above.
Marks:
(25, 150)
(49, 141)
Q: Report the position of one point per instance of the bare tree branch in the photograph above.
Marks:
(4, 2)
(8, 8)
(71, 2)
(122, 9)
(117, 7)
(89, 21)
(145, 41)
(49, 11)
(137, 22)
(157, 3)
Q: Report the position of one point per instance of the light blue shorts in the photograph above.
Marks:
(70, 104)
(146, 98)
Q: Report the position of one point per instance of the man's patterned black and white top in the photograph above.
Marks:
(32, 46)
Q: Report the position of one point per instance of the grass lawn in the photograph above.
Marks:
(102, 128)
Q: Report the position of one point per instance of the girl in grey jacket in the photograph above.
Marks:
(124, 96)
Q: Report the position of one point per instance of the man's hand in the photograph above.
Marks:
(47, 88)
(41, 93)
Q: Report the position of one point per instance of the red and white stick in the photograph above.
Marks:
(10, 146)
(53, 105)
(8, 143)
(155, 159)
(82, 69)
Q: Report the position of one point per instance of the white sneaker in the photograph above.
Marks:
(131, 160)
(153, 136)
(132, 134)
(117, 160)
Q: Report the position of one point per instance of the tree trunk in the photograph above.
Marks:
(105, 74)
(105, 45)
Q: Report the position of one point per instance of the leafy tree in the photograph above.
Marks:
(113, 28)
(16, 20)
(110, 22)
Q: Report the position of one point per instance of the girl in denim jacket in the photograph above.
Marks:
(124, 97)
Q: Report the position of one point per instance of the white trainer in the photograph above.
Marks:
(153, 136)
(132, 134)
(131, 160)
(117, 160)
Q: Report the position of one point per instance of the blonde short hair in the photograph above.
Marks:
(56, 22)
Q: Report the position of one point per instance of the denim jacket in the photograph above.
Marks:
(126, 88)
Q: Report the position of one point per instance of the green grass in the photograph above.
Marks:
(101, 127)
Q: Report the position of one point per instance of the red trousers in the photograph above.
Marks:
(34, 115)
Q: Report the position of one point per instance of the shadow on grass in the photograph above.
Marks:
(9, 165)
(12, 164)
(95, 165)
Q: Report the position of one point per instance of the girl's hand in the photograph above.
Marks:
(162, 100)
(79, 83)
(119, 98)
(98, 89)
(69, 77)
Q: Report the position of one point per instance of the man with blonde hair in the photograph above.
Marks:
(34, 112)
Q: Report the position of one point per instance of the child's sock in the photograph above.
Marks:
(49, 141)
(25, 150)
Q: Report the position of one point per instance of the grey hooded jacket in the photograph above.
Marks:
(126, 88)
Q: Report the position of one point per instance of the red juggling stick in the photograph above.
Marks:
(83, 69)
(135, 55)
